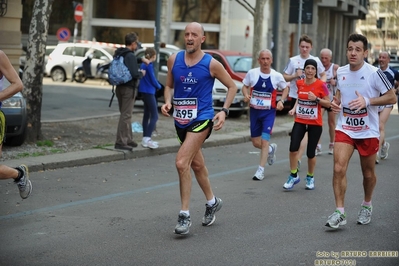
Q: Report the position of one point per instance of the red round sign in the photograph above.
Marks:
(78, 13)
(63, 34)
(247, 32)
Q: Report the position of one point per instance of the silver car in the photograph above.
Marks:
(66, 57)
(237, 107)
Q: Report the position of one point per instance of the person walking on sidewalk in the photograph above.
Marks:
(312, 94)
(20, 174)
(191, 73)
(361, 88)
(126, 94)
(264, 82)
(148, 87)
(331, 74)
(384, 111)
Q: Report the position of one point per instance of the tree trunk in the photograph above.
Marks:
(33, 72)
(258, 30)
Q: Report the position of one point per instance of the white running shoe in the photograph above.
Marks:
(318, 150)
(291, 182)
(384, 150)
(272, 155)
(336, 219)
(331, 149)
(377, 158)
(259, 175)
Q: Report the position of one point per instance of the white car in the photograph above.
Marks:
(237, 107)
(66, 57)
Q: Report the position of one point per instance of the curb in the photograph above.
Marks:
(109, 154)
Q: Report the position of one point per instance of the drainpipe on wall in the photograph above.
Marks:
(276, 18)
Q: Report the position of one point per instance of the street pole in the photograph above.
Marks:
(276, 18)
(75, 33)
(157, 35)
(299, 23)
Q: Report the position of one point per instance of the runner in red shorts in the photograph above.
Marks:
(361, 88)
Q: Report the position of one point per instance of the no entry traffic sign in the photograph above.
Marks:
(63, 34)
(246, 32)
(78, 13)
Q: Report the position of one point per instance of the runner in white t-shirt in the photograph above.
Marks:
(294, 71)
(361, 88)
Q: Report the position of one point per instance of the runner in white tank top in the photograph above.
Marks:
(331, 73)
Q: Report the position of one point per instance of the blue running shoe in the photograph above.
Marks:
(309, 183)
(291, 182)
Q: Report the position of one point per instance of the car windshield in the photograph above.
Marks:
(239, 63)
(110, 50)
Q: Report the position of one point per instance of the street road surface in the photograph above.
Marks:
(124, 213)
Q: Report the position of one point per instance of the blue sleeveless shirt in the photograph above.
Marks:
(190, 83)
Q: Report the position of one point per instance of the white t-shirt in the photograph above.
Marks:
(299, 62)
(369, 82)
(252, 77)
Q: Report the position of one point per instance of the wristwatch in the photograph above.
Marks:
(225, 110)
(317, 99)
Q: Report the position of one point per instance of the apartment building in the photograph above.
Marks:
(226, 22)
(381, 27)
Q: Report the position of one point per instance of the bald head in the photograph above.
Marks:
(196, 26)
(194, 37)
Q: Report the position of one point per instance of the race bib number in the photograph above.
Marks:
(306, 109)
(185, 110)
(261, 100)
(355, 121)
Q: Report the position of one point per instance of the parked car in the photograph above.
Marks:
(14, 110)
(66, 56)
(164, 54)
(237, 65)
(168, 46)
(237, 107)
(22, 60)
(394, 65)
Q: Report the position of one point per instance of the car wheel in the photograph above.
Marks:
(16, 140)
(235, 114)
(79, 76)
(58, 75)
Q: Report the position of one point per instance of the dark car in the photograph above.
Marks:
(14, 110)
(237, 65)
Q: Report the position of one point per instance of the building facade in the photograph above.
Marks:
(381, 27)
(226, 23)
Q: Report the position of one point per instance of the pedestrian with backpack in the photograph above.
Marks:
(148, 87)
(126, 89)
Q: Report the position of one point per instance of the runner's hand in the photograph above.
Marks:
(218, 120)
(166, 108)
(336, 105)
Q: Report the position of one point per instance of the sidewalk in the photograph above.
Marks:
(109, 154)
